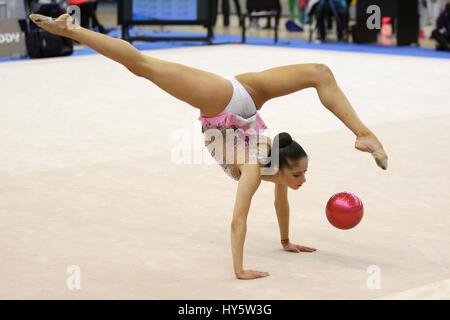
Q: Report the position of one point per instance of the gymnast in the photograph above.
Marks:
(230, 105)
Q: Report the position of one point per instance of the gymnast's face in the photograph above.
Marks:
(295, 177)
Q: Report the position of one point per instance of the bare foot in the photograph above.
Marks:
(59, 26)
(369, 143)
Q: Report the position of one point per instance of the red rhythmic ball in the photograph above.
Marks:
(344, 210)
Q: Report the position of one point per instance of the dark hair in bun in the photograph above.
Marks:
(290, 150)
(284, 139)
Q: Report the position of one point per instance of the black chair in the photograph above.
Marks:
(262, 9)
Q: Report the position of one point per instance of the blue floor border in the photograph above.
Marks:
(264, 41)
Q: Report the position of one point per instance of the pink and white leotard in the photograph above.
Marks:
(240, 113)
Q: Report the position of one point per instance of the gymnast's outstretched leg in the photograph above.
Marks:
(211, 93)
(280, 81)
(204, 90)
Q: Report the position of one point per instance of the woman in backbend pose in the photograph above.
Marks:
(227, 103)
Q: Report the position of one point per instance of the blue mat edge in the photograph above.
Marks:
(265, 41)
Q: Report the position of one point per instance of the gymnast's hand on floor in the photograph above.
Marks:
(60, 26)
(251, 274)
(297, 248)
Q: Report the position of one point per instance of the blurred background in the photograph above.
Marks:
(399, 22)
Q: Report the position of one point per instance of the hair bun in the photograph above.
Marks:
(284, 139)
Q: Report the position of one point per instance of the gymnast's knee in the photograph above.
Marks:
(322, 74)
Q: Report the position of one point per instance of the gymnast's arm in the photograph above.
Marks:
(248, 184)
(282, 210)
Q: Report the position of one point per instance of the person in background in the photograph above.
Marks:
(434, 9)
(294, 10)
(226, 11)
(302, 4)
(442, 32)
(429, 11)
(324, 12)
(423, 17)
(431, 5)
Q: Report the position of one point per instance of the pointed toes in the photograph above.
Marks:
(381, 160)
(39, 18)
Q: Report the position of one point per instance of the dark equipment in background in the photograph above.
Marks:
(127, 17)
(40, 43)
(404, 14)
(262, 9)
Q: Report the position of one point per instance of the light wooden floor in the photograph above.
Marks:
(87, 180)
